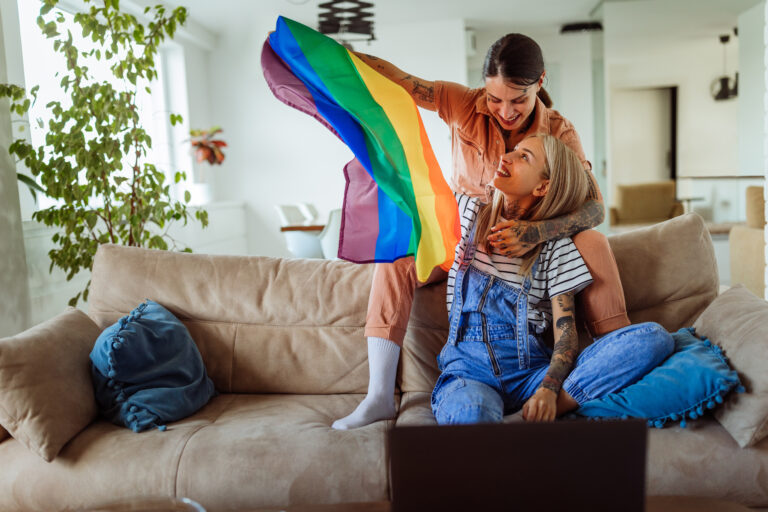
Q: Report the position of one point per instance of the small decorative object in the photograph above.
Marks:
(207, 148)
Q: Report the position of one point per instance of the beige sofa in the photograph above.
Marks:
(283, 341)
(747, 245)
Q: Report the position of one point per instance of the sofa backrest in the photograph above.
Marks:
(262, 324)
(274, 325)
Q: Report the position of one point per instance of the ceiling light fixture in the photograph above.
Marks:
(725, 87)
(347, 21)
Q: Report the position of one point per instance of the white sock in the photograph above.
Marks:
(379, 404)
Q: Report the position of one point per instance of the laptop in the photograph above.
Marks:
(565, 465)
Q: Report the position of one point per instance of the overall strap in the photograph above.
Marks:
(458, 286)
(523, 347)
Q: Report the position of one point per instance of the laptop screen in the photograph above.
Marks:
(565, 465)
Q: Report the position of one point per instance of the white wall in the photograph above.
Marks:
(198, 74)
(278, 155)
(752, 84)
(707, 135)
(640, 139)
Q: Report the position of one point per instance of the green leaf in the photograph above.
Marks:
(92, 132)
(187, 196)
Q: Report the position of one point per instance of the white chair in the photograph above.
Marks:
(290, 215)
(301, 244)
(309, 212)
(329, 237)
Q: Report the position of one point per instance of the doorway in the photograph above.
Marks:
(643, 135)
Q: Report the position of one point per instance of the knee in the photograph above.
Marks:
(654, 341)
(662, 342)
(464, 401)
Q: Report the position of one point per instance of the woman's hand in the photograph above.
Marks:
(514, 238)
(542, 406)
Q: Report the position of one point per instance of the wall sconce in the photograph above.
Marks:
(346, 21)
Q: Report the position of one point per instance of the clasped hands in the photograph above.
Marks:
(514, 238)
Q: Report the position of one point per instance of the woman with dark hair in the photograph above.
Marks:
(487, 123)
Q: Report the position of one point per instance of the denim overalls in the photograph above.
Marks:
(491, 364)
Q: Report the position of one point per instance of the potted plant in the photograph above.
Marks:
(94, 160)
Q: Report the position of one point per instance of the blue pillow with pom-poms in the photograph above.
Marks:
(147, 370)
(695, 378)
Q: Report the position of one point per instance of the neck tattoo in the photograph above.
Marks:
(513, 210)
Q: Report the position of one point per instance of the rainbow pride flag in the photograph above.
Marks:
(396, 201)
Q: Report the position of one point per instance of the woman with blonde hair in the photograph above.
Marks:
(496, 360)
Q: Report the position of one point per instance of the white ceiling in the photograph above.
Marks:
(643, 18)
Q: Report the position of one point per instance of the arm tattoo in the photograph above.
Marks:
(588, 216)
(592, 194)
(566, 344)
(424, 92)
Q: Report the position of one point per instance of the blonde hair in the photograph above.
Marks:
(568, 189)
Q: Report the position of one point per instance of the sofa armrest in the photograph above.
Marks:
(747, 252)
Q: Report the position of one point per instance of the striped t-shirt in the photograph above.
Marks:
(560, 268)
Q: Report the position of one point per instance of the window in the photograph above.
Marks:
(44, 67)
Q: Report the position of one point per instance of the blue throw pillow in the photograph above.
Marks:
(147, 370)
(694, 378)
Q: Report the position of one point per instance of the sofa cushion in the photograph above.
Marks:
(105, 463)
(261, 324)
(52, 400)
(693, 379)
(704, 460)
(284, 453)
(147, 370)
(737, 321)
(669, 271)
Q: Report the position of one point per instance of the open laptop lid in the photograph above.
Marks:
(565, 465)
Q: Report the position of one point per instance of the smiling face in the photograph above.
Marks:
(509, 103)
(520, 176)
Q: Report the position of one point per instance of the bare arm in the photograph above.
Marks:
(543, 405)
(566, 342)
(422, 91)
